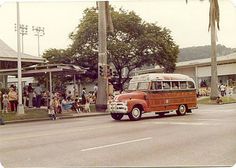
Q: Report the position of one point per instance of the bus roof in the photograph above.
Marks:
(160, 76)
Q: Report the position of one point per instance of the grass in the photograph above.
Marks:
(29, 114)
(32, 113)
(225, 100)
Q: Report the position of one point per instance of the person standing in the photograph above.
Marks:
(95, 90)
(25, 95)
(38, 92)
(222, 89)
(52, 109)
(31, 95)
(5, 103)
(84, 96)
(12, 95)
(231, 90)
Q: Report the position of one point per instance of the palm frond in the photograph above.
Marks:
(214, 14)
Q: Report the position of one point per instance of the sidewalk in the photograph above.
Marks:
(64, 115)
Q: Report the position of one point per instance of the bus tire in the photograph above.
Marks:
(181, 110)
(117, 116)
(135, 114)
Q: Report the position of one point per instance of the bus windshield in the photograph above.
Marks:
(138, 86)
(143, 86)
(132, 86)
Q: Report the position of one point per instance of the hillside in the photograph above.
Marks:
(200, 52)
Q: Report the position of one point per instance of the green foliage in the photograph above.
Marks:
(54, 56)
(133, 44)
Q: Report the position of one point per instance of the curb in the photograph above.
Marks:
(62, 117)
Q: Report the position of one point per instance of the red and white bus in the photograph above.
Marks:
(155, 92)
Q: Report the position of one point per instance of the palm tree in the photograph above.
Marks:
(214, 18)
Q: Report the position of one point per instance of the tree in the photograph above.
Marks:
(132, 44)
(58, 56)
(214, 17)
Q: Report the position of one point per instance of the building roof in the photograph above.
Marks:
(8, 54)
(227, 59)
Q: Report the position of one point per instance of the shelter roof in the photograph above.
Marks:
(8, 54)
(66, 69)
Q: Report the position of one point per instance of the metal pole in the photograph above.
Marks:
(38, 46)
(74, 85)
(22, 43)
(101, 102)
(50, 85)
(196, 77)
(20, 106)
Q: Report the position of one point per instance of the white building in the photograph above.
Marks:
(200, 70)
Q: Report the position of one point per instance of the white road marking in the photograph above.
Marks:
(116, 144)
(234, 166)
(185, 123)
(209, 119)
(1, 166)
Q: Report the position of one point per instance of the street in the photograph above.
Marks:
(206, 137)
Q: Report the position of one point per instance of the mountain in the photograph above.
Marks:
(201, 52)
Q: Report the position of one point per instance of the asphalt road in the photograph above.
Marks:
(206, 137)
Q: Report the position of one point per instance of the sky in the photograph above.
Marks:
(188, 22)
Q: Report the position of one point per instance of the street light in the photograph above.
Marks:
(20, 106)
(23, 31)
(39, 31)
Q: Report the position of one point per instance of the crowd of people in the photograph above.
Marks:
(64, 103)
(36, 97)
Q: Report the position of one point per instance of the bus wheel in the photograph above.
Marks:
(181, 110)
(135, 114)
(117, 116)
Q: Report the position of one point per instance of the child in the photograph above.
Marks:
(51, 113)
(5, 103)
(52, 109)
(87, 105)
(77, 106)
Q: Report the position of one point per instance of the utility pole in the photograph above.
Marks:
(39, 31)
(20, 106)
(101, 102)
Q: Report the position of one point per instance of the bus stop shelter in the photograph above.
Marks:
(46, 69)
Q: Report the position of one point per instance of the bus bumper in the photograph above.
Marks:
(118, 107)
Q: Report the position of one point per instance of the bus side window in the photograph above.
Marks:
(190, 85)
(153, 86)
(175, 85)
(183, 85)
(158, 86)
(166, 85)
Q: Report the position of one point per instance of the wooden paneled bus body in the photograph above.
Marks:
(159, 93)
